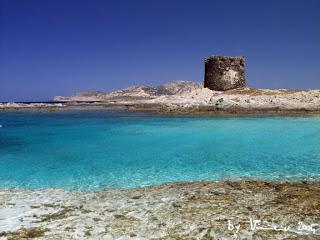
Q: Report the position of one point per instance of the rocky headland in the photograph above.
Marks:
(186, 97)
(190, 97)
(223, 91)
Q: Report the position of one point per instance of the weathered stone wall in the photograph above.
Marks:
(223, 73)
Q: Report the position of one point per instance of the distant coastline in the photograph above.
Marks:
(185, 97)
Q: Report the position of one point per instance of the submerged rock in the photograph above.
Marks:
(195, 210)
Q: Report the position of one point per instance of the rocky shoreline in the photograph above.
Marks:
(184, 97)
(195, 210)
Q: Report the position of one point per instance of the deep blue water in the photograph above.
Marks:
(90, 150)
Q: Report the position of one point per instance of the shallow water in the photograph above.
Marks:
(93, 149)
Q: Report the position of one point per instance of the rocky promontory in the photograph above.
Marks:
(223, 91)
(191, 97)
(186, 97)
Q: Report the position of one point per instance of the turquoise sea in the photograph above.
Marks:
(94, 149)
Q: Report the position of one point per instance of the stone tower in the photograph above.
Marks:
(223, 73)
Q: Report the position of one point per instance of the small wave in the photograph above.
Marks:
(0, 126)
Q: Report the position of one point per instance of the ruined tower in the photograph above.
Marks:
(223, 73)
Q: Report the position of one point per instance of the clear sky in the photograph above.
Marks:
(59, 47)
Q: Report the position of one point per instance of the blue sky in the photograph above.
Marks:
(59, 47)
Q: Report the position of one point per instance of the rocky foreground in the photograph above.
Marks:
(191, 98)
(199, 210)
